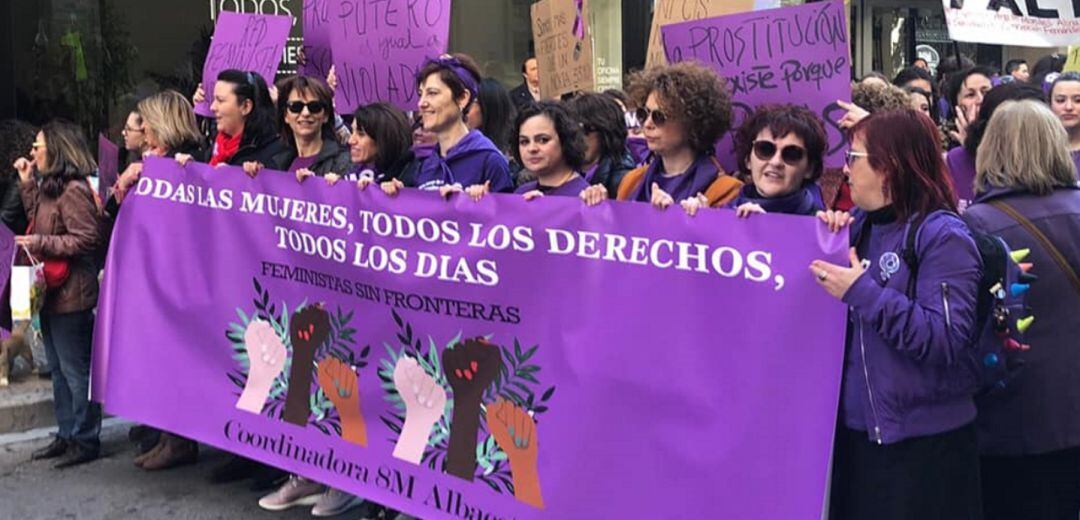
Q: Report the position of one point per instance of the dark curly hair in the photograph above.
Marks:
(689, 93)
(1014, 91)
(600, 113)
(782, 120)
(957, 80)
(16, 138)
(878, 98)
(571, 138)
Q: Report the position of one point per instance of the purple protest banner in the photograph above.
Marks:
(248, 42)
(317, 56)
(378, 47)
(492, 359)
(789, 55)
(108, 165)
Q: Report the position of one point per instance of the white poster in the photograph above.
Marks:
(1029, 23)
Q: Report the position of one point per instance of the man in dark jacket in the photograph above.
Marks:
(529, 89)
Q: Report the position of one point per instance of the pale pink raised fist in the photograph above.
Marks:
(425, 401)
(266, 359)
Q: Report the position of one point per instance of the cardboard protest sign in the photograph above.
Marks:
(317, 55)
(248, 42)
(789, 55)
(564, 49)
(1072, 64)
(677, 11)
(108, 165)
(432, 355)
(1034, 23)
(378, 47)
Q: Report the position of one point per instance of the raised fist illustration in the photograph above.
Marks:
(338, 381)
(266, 359)
(308, 329)
(425, 401)
(515, 431)
(470, 368)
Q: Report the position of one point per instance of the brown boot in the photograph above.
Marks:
(141, 459)
(178, 451)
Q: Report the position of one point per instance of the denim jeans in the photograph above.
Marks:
(68, 341)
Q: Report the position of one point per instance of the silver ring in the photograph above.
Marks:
(822, 275)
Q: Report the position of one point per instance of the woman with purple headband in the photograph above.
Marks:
(464, 159)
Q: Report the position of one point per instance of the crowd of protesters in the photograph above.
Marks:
(937, 153)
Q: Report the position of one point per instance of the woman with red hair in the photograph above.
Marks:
(905, 445)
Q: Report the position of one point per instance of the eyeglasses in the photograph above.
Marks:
(658, 117)
(313, 107)
(790, 154)
(38, 145)
(850, 156)
(131, 130)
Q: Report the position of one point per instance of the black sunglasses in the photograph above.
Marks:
(790, 154)
(313, 107)
(658, 117)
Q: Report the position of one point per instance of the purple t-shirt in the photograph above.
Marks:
(302, 162)
(1076, 160)
(570, 188)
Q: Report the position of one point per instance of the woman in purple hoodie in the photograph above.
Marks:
(463, 158)
(905, 443)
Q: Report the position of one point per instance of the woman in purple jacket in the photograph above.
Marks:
(448, 88)
(905, 444)
(1029, 432)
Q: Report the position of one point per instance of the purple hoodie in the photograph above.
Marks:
(906, 371)
(570, 188)
(962, 169)
(473, 160)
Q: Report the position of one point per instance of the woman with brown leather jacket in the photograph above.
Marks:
(64, 232)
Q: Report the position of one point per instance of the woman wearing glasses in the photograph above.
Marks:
(135, 144)
(781, 151)
(905, 446)
(684, 110)
(305, 107)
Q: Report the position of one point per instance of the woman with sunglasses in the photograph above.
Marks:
(684, 110)
(781, 151)
(905, 446)
(245, 123)
(606, 159)
(305, 107)
(463, 158)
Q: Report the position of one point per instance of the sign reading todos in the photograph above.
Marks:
(249, 42)
(432, 355)
(564, 49)
(774, 56)
(1031, 23)
(378, 47)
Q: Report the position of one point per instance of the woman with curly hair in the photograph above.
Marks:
(551, 147)
(684, 109)
(781, 150)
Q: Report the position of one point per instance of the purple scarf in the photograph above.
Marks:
(696, 179)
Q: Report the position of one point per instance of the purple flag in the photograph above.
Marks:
(378, 47)
(499, 359)
(108, 165)
(248, 42)
(317, 54)
(789, 55)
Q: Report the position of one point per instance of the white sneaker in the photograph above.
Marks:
(334, 502)
(297, 491)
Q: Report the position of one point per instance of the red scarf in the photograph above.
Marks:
(225, 147)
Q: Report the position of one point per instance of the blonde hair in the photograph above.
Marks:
(1025, 146)
(170, 115)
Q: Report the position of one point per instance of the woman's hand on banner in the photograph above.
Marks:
(515, 432)
(694, 204)
(594, 194)
(449, 189)
(332, 178)
(836, 220)
(425, 402)
(199, 96)
(747, 209)
(303, 173)
(854, 114)
(252, 168)
(476, 192)
(836, 279)
(338, 381)
(660, 198)
(127, 180)
(183, 159)
(390, 187)
(532, 195)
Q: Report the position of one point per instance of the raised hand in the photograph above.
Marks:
(425, 401)
(515, 431)
(470, 368)
(308, 329)
(338, 381)
(266, 358)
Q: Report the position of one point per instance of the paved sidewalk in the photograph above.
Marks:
(26, 404)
